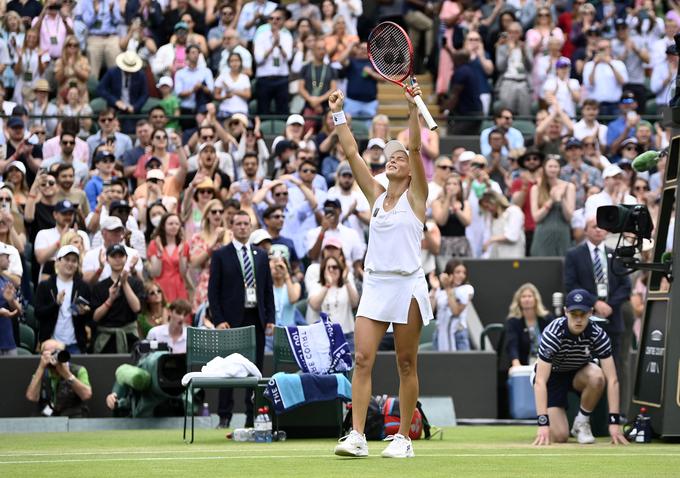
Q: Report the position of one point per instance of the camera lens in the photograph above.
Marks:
(62, 356)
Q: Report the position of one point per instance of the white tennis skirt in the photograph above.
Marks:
(386, 297)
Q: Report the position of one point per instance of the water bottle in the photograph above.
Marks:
(268, 437)
(260, 426)
(205, 410)
(244, 434)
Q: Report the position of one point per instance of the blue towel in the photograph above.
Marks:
(320, 348)
(289, 390)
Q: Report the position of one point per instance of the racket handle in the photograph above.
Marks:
(425, 112)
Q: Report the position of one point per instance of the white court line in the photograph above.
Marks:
(325, 457)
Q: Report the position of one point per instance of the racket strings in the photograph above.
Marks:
(391, 52)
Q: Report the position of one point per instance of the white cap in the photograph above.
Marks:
(295, 119)
(258, 236)
(164, 81)
(392, 147)
(64, 251)
(611, 171)
(155, 174)
(111, 223)
(466, 156)
(379, 142)
(17, 164)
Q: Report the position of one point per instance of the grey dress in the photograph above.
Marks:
(552, 236)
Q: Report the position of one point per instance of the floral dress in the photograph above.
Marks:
(197, 245)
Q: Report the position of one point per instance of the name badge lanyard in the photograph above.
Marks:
(317, 84)
(53, 38)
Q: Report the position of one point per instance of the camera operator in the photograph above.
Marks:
(59, 387)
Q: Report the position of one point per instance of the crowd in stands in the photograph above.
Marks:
(133, 131)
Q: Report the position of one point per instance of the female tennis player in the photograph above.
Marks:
(394, 289)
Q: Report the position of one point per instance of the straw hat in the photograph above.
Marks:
(129, 62)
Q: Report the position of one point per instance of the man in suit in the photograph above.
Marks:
(589, 266)
(124, 87)
(240, 293)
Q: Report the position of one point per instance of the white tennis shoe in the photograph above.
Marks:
(400, 447)
(581, 430)
(353, 444)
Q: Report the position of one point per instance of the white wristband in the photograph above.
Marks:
(339, 118)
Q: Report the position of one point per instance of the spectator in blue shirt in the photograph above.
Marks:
(464, 95)
(502, 121)
(102, 18)
(624, 126)
(193, 84)
(361, 99)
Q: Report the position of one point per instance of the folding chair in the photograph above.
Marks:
(312, 420)
(204, 345)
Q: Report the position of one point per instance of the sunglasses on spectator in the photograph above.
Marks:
(108, 160)
(154, 292)
(216, 212)
(208, 138)
(332, 267)
(641, 188)
(308, 170)
(47, 184)
(40, 132)
(448, 168)
(205, 191)
(154, 180)
(509, 118)
(532, 158)
(5, 200)
(64, 142)
(106, 120)
(72, 45)
(160, 136)
(478, 165)
(285, 193)
(153, 165)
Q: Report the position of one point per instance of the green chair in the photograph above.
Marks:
(203, 345)
(26, 337)
(312, 420)
(29, 318)
(23, 352)
(494, 332)
(527, 128)
(360, 129)
(301, 306)
(427, 332)
(426, 347)
(150, 103)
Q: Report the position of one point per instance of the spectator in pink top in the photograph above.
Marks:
(53, 26)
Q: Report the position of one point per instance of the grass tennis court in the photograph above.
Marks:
(464, 452)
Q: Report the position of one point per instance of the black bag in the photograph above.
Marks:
(374, 429)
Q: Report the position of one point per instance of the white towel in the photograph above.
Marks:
(233, 366)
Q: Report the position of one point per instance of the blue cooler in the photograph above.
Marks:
(521, 393)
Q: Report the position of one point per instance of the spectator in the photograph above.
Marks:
(453, 214)
(66, 158)
(615, 191)
(336, 295)
(122, 209)
(10, 307)
(483, 67)
(54, 25)
(552, 206)
(604, 77)
(588, 124)
(480, 183)
(329, 10)
(174, 332)
(160, 150)
(102, 20)
(211, 236)
(361, 100)
(538, 37)
(73, 69)
(76, 106)
(500, 164)
(449, 18)
(29, 68)
(168, 257)
(272, 52)
(26, 10)
(286, 291)
(104, 165)
(95, 266)
(562, 89)
(131, 157)
(196, 197)
(252, 15)
(631, 49)
(52, 147)
(194, 84)
(227, 21)
(339, 41)
(527, 317)
(577, 172)
(141, 40)
(107, 120)
(429, 149)
(12, 232)
(450, 296)
(356, 212)
(303, 9)
(65, 180)
(273, 218)
(154, 213)
(663, 75)
(15, 178)
(238, 303)
(116, 301)
(317, 82)
(171, 57)
(505, 227)
(503, 122)
(19, 149)
(464, 97)
(550, 130)
(169, 101)
(124, 87)
(624, 126)
(47, 241)
(62, 303)
(193, 37)
(39, 210)
(513, 63)
(230, 45)
(59, 388)
(531, 171)
(232, 88)
(40, 106)
(154, 309)
(658, 47)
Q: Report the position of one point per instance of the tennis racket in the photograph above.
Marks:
(391, 54)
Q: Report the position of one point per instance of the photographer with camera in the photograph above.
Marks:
(59, 387)
(62, 303)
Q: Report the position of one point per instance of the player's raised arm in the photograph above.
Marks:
(418, 188)
(369, 186)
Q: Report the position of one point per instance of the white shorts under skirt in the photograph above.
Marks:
(386, 297)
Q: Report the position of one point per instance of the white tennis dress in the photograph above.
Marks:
(393, 272)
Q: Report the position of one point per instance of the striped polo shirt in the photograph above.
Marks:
(567, 352)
